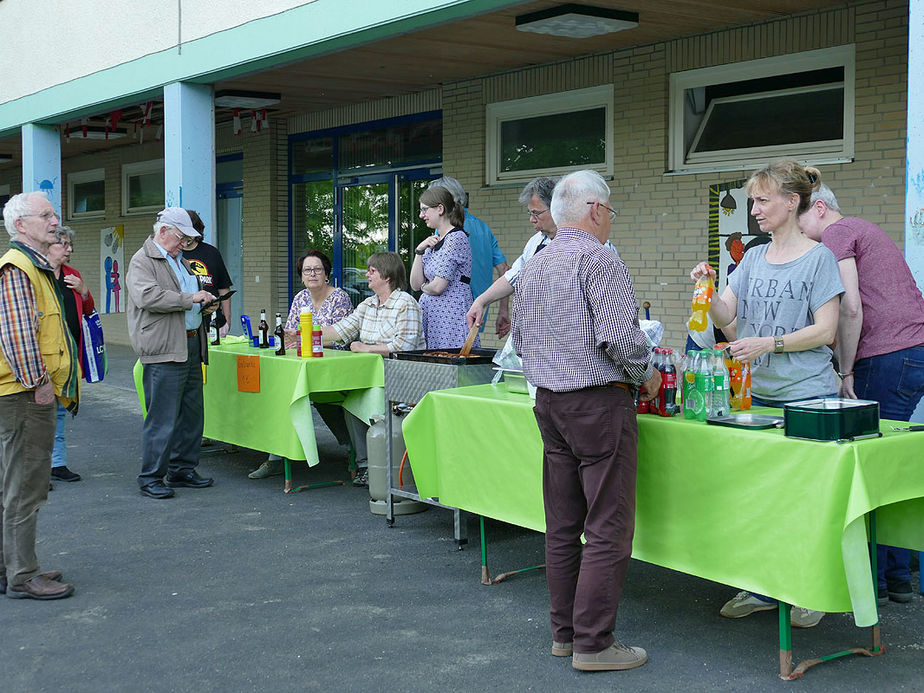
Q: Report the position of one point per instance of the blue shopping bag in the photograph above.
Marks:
(93, 357)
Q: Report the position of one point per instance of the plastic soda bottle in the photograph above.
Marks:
(739, 377)
(702, 299)
(657, 361)
(692, 398)
(705, 386)
(668, 399)
(720, 397)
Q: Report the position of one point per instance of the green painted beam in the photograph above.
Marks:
(308, 31)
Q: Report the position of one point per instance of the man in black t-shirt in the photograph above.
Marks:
(207, 264)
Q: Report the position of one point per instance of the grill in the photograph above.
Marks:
(409, 375)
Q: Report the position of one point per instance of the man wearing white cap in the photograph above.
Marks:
(165, 307)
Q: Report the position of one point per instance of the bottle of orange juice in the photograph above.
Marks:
(740, 376)
(702, 299)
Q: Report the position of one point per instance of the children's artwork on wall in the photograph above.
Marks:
(112, 265)
(732, 229)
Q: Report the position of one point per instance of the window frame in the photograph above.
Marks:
(140, 168)
(87, 176)
(826, 151)
(500, 112)
(4, 191)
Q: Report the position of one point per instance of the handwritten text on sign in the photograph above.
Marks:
(248, 373)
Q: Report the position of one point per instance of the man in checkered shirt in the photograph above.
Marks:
(576, 328)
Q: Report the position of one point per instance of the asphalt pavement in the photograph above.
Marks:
(240, 587)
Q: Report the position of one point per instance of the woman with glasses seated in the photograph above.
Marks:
(388, 321)
(442, 271)
(328, 304)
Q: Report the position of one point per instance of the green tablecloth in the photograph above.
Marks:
(752, 509)
(278, 418)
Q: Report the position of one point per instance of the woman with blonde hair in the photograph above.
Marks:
(785, 296)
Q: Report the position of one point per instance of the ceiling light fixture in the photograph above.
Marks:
(576, 21)
(246, 99)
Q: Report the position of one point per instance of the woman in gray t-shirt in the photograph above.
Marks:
(784, 295)
(785, 298)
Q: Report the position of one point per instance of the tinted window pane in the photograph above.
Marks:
(146, 190)
(312, 156)
(229, 171)
(775, 120)
(90, 196)
(391, 146)
(563, 139)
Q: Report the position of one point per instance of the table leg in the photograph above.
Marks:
(785, 642)
(787, 672)
(486, 578)
(304, 487)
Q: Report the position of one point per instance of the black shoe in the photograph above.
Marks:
(901, 592)
(362, 478)
(882, 596)
(64, 474)
(156, 489)
(189, 479)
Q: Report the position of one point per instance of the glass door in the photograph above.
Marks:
(312, 226)
(230, 213)
(410, 227)
(364, 230)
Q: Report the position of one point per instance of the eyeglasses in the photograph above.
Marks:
(424, 209)
(312, 270)
(184, 240)
(613, 212)
(47, 216)
(536, 215)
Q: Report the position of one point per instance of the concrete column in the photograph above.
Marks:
(41, 162)
(914, 174)
(189, 151)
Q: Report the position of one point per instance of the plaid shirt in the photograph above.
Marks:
(19, 322)
(576, 319)
(398, 323)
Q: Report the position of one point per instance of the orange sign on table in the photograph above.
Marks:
(248, 373)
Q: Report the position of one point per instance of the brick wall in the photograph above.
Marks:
(661, 231)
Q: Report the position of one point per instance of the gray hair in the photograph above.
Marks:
(158, 225)
(541, 187)
(17, 207)
(572, 193)
(826, 195)
(63, 233)
(453, 186)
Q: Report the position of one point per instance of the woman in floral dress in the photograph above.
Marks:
(442, 271)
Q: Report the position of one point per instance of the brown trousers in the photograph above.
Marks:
(27, 436)
(590, 445)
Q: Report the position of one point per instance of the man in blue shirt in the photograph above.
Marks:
(486, 253)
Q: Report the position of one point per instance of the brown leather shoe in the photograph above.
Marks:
(40, 587)
(51, 575)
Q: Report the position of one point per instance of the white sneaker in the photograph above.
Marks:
(744, 604)
(805, 618)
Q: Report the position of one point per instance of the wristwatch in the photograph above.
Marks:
(419, 252)
(777, 345)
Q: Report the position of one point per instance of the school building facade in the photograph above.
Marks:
(291, 125)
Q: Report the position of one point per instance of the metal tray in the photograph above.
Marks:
(747, 420)
(477, 356)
